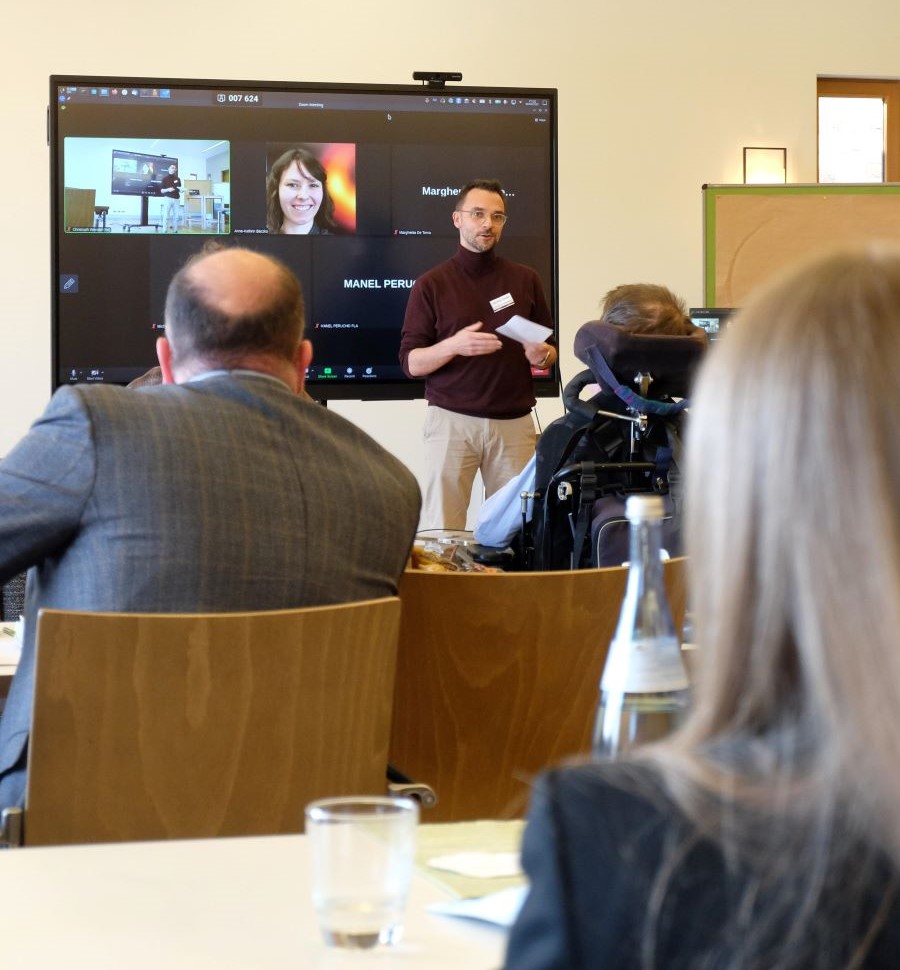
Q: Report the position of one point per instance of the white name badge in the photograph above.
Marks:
(502, 302)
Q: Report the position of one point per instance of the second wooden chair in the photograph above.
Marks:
(498, 676)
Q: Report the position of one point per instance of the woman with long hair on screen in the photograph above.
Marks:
(297, 199)
(765, 833)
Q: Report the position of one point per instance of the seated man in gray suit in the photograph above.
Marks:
(221, 489)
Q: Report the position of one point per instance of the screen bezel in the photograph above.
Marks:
(406, 389)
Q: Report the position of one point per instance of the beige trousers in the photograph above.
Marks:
(456, 447)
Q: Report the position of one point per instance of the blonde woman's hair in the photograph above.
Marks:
(791, 756)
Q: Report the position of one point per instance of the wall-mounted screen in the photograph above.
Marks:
(352, 186)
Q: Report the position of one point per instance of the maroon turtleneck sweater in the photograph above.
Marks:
(458, 293)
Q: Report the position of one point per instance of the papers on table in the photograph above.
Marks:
(524, 331)
(10, 642)
(486, 865)
(490, 848)
(500, 908)
(478, 862)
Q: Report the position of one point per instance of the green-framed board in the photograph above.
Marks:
(752, 231)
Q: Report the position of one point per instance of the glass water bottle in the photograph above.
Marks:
(644, 686)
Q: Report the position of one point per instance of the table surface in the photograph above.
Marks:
(212, 903)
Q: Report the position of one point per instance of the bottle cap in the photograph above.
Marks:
(640, 507)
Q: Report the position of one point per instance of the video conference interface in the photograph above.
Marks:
(144, 175)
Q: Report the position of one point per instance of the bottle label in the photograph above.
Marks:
(652, 666)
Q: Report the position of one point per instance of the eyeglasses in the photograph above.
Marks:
(479, 215)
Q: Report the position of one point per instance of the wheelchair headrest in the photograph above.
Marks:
(671, 360)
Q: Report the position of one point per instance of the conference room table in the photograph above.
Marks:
(224, 903)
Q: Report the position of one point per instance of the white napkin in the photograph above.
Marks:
(487, 865)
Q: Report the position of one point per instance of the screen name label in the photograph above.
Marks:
(383, 284)
(442, 191)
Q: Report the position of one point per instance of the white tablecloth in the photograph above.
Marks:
(215, 903)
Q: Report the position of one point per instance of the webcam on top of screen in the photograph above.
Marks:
(436, 79)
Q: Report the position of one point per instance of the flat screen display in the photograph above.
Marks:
(145, 171)
(134, 173)
(712, 319)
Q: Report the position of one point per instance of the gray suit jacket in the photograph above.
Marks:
(227, 493)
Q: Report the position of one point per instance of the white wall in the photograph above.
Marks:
(656, 99)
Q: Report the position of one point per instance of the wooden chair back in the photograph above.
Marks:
(155, 726)
(497, 678)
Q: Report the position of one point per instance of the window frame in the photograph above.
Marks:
(889, 92)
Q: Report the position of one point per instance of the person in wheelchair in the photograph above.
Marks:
(644, 330)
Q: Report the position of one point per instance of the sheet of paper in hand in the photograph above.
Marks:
(525, 331)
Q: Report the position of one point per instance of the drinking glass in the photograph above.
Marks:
(362, 858)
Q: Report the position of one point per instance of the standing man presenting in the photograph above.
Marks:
(169, 187)
(478, 385)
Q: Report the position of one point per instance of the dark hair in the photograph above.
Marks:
(486, 185)
(274, 216)
(198, 330)
(647, 308)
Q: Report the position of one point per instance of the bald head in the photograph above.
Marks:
(233, 308)
(236, 282)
